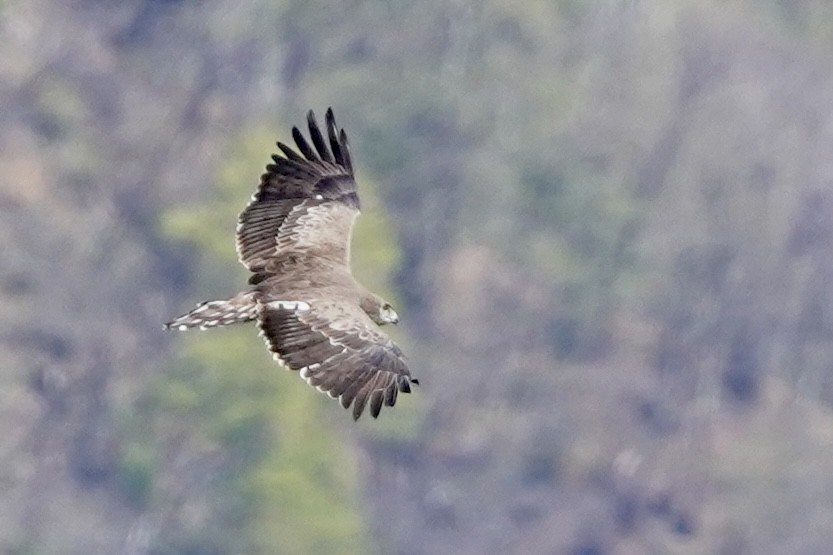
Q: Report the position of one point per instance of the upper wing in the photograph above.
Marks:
(304, 203)
(339, 350)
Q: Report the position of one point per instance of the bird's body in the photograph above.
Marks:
(294, 236)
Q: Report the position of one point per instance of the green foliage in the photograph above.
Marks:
(579, 234)
(210, 224)
(135, 473)
(375, 253)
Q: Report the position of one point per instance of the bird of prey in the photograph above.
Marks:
(316, 319)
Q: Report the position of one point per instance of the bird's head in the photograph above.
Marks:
(387, 315)
(379, 310)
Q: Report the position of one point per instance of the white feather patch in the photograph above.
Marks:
(306, 371)
(288, 305)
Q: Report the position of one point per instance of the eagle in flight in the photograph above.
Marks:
(316, 319)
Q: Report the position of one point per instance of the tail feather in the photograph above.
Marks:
(212, 314)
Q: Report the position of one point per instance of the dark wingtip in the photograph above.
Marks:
(318, 138)
(414, 381)
(303, 145)
(358, 404)
(288, 152)
(404, 386)
(335, 144)
(377, 399)
(330, 122)
(345, 151)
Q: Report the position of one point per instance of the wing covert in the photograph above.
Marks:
(339, 351)
(301, 190)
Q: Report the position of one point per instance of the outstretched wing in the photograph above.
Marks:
(305, 203)
(338, 350)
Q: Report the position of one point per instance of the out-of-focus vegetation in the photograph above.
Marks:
(607, 228)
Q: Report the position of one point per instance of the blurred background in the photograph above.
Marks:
(607, 227)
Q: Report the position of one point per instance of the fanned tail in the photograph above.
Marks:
(212, 314)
